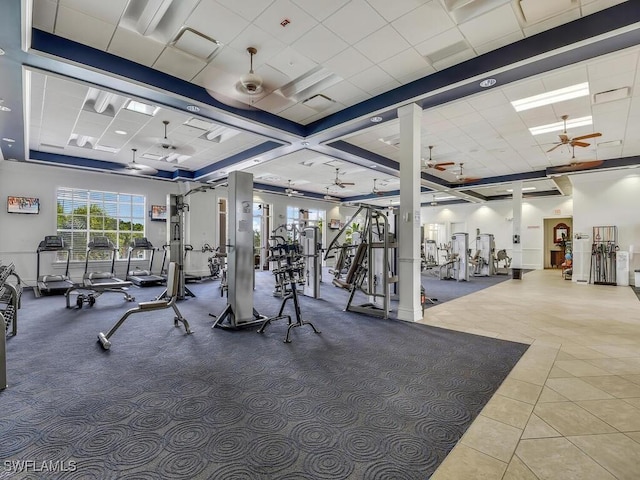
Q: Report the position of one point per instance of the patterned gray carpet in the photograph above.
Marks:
(366, 399)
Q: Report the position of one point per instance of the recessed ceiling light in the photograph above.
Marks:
(488, 82)
(120, 132)
(555, 96)
(559, 126)
(256, 160)
(193, 108)
(373, 165)
(305, 144)
(8, 140)
(4, 109)
(376, 119)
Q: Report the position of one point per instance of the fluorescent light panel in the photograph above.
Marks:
(559, 126)
(524, 189)
(143, 108)
(555, 96)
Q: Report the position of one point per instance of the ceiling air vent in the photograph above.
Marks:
(463, 10)
(319, 102)
(196, 44)
(611, 95)
(308, 84)
(537, 10)
(446, 52)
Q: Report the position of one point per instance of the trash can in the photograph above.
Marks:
(516, 273)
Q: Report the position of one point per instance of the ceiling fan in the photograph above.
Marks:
(339, 182)
(328, 196)
(375, 189)
(462, 178)
(290, 191)
(574, 165)
(250, 83)
(437, 166)
(167, 150)
(134, 167)
(573, 142)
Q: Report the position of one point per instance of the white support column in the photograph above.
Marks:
(516, 256)
(408, 234)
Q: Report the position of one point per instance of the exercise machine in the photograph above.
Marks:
(456, 265)
(482, 261)
(430, 254)
(502, 262)
(95, 284)
(372, 271)
(139, 277)
(52, 284)
(603, 256)
(170, 302)
(290, 258)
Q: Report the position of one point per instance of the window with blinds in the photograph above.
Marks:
(84, 214)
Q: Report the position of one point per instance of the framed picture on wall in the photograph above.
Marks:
(29, 205)
(158, 213)
(334, 223)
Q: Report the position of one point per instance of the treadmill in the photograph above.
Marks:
(52, 284)
(139, 277)
(95, 284)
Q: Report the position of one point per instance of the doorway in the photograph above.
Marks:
(557, 241)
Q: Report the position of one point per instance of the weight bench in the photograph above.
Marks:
(170, 302)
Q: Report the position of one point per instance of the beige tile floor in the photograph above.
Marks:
(570, 408)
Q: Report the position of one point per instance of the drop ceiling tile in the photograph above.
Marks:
(423, 23)
(596, 6)
(385, 87)
(216, 22)
(291, 63)
(248, 10)
(565, 78)
(336, 107)
(346, 93)
(499, 42)
(439, 42)
(416, 75)
(178, 64)
(548, 24)
(274, 103)
(253, 36)
(83, 29)
(320, 10)
(615, 64)
(392, 10)
(371, 79)
(404, 64)
(454, 60)
(524, 89)
(297, 112)
(300, 21)
(134, 47)
(382, 44)
(109, 12)
(502, 20)
(354, 21)
(490, 99)
(320, 44)
(44, 15)
(348, 63)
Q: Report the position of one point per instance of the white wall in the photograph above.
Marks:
(606, 199)
(21, 234)
(496, 218)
